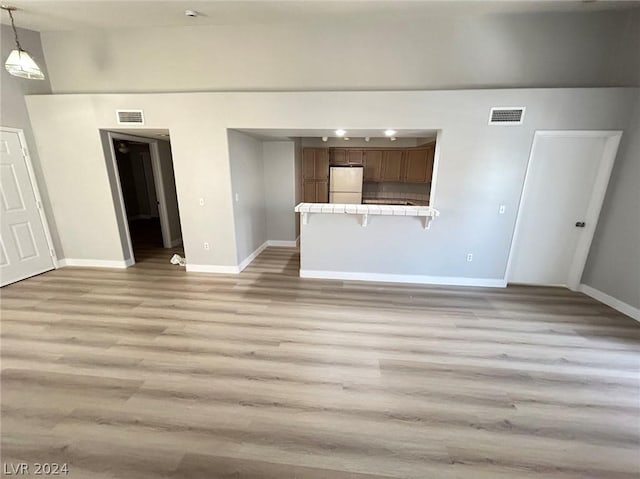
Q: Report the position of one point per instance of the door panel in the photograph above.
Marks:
(417, 166)
(338, 156)
(322, 191)
(557, 194)
(345, 198)
(355, 157)
(309, 191)
(321, 164)
(392, 165)
(372, 165)
(308, 164)
(24, 250)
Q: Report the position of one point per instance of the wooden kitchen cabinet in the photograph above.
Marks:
(355, 157)
(309, 191)
(322, 191)
(308, 164)
(315, 191)
(372, 165)
(418, 165)
(321, 164)
(315, 163)
(338, 156)
(392, 165)
(315, 175)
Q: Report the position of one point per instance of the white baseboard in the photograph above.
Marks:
(94, 263)
(176, 242)
(616, 304)
(283, 243)
(205, 268)
(211, 268)
(404, 278)
(247, 261)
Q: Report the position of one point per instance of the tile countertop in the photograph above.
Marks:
(389, 201)
(382, 210)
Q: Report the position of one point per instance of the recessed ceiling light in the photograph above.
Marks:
(340, 132)
(393, 138)
(367, 139)
(191, 13)
(346, 138)
(390, 132)
(325, 138)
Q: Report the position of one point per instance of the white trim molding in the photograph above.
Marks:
(95, 263)
(212, 268)
(404, 278)
(283, 243)
(206, 268)
(616, 304)
(154, 153)
(247, 261)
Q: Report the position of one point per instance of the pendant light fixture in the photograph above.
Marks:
(20, 63)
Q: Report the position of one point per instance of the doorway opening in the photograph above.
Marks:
(143, 184)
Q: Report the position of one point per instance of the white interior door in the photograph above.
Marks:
(561, 200)
(24, 249)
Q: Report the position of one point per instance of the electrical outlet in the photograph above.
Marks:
(237, 197)
(206, 245)
(502, 209)
(469, 257)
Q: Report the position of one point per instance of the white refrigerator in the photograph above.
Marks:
(345, 184)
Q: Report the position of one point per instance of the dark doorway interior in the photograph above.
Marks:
(139, 193)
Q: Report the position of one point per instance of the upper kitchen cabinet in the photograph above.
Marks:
(418, 164)
(315, 163)
(372, 162)
(355, 157)
(392, 165)
(338, 156)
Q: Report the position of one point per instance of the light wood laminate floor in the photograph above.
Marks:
(152, 372)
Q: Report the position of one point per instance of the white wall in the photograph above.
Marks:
(480, 166)
(613, 266)
(279, 189)
(106, 147)
(13, 111)
(247, 179)
(452, 49)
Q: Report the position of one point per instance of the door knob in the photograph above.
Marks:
(580, 224)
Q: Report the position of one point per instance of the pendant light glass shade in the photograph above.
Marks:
(20, 64)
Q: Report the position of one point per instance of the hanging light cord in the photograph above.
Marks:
(15, 32)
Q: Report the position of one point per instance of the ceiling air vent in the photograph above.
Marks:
(506, 116)
(130, 117)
